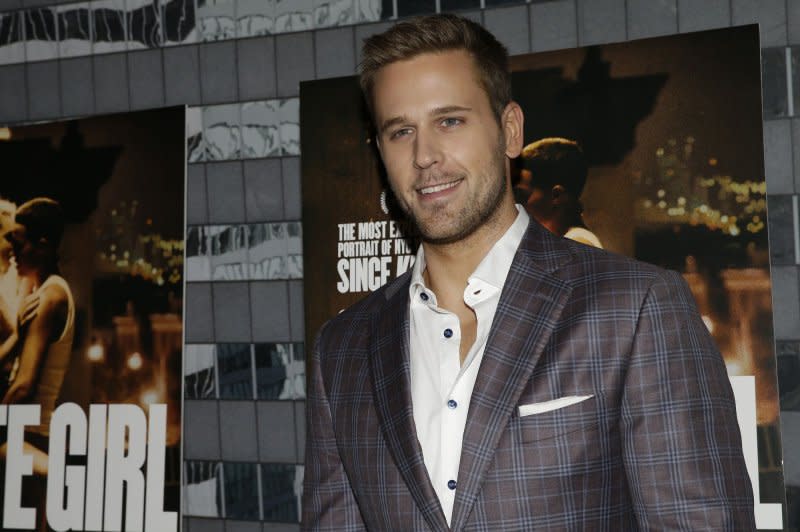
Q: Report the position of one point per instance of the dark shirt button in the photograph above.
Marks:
(451, 404)
(451, 484)
(448, 333)
(423, 296)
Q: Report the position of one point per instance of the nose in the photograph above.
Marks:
(426, 150)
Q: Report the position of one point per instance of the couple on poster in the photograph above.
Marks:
(37, 320)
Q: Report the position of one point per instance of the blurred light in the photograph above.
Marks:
(135, 361)
(96, 352)
(734, 367)
(681, 201)
(712, 161)
(5, 133)
(662, 204)
(149, 397)
(709, 323)
(661, 193)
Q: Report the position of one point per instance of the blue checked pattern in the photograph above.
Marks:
(657, 446)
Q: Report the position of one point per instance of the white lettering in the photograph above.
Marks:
(155, 516)
(95, 465)
(59, 475)
(18, 465)
(125, 468)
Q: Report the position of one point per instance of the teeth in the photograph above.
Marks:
(437, 188)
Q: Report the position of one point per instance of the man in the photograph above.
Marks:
(550, 185)
(512, 380)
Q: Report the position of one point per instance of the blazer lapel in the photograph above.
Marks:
(530, 305)
(389, 362)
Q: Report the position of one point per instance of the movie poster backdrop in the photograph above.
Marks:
(671, 130)
(91, 292)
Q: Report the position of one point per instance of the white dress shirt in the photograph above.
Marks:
(441, 387)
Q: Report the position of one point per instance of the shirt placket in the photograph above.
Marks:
(449, 369)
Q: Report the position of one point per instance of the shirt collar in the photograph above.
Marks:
(493, 269)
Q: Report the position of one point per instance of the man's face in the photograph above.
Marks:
(444, 152)
(539, 202)
(21, 247)
(6, 251)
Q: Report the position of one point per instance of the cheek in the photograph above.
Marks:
(392, 160)
(538, 202)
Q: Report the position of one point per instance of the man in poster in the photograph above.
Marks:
(550, 185)
(512, 380)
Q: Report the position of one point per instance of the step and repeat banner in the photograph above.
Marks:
(671, 131)
(91, 322)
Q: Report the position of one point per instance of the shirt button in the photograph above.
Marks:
(448, 333)
(451, 484)
(451, 404)
(423, 296)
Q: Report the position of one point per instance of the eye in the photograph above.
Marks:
(451, 122)
(400, 133)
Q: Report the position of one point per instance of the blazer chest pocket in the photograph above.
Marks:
(583, 415)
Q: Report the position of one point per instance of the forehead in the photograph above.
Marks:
(428, 81)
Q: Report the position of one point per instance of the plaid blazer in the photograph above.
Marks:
(657, 446)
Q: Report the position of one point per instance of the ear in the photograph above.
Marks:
(559, 194)
(512, 123)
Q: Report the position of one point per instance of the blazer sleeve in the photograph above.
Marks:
(682, 448)
(328, 502)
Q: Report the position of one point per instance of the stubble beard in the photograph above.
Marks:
(440, 227)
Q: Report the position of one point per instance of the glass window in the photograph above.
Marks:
(281, 485)
(796, 80)
(202, 488)
(773, 79)
(280, 371)
(235, 371)
(199, 370)
(241, 491)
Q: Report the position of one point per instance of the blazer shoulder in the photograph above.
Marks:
(361, 313)
(576, 262)
(605, 269)
(610, 260)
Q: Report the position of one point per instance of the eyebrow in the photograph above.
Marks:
(434, 112)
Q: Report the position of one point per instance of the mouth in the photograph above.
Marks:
(433, 189)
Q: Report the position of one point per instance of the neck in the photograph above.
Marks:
(35, 278)
(448, 266)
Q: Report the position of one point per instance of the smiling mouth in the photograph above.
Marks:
(438, 188)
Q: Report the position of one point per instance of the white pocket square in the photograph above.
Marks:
(555, 404)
